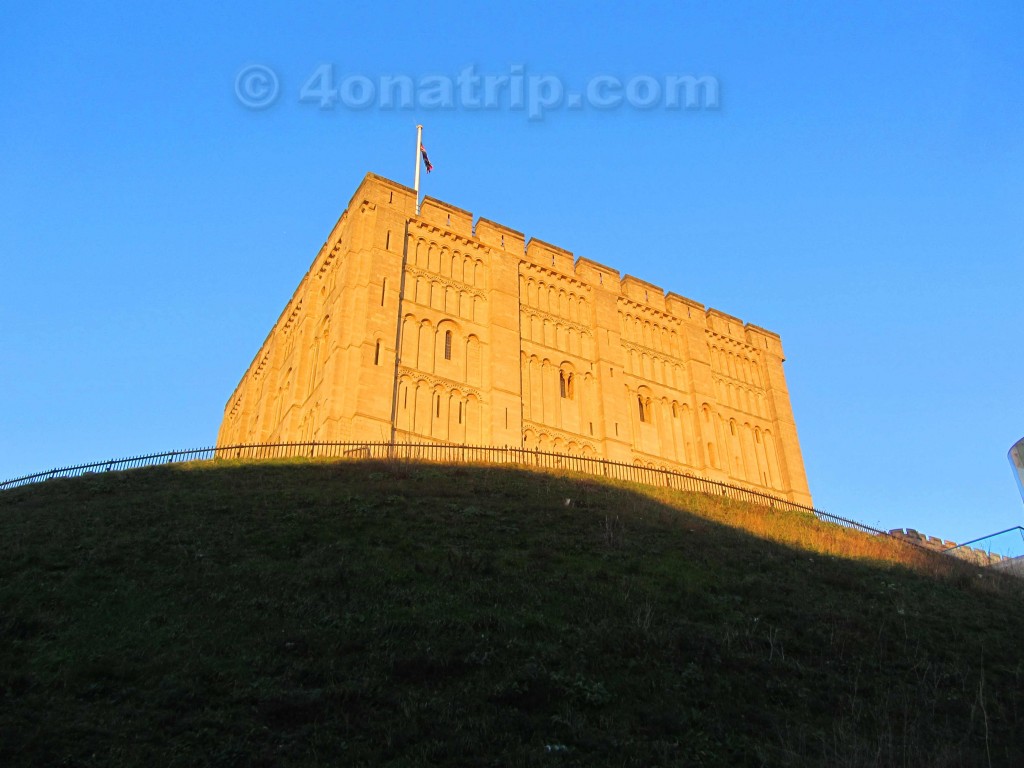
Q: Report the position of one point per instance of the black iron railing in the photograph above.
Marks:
(442, 452)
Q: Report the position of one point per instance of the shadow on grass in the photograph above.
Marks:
(371, 613)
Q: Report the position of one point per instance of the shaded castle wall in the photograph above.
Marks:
(509, 342)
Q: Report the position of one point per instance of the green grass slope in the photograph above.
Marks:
(367, 614)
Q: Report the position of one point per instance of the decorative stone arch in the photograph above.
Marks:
(448, 343)
(584, 310)
(420, 247)
(542, 295)
(567, 380)
(644, 403)
(587, 344)
(456, 266)
(473, 361)
(708, 431)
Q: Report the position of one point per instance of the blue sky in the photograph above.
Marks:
(858, 190)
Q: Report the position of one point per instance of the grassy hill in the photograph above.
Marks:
(360, 614)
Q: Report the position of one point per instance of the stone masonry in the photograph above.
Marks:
(511, 343)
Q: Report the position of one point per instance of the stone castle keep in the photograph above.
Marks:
(509, 343)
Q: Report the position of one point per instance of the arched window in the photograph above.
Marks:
(645, 409)
(565, 385)
(447, 345)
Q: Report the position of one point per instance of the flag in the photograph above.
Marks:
(426, 160)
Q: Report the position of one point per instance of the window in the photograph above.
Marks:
(447, 345)
(376, 354)
(645, 408)
(565, 385)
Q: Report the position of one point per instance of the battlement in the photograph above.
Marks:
(976, 556)
(377, 189)
(499, 236)
(438, 327)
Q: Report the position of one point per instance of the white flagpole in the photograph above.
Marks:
(419, 161)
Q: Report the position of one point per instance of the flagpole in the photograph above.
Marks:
(416, 182)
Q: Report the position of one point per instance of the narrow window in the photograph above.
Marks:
(383, 291)
(561, 383)
(616, 429)
(732, 427)
(387, 241)
(437, 406)
(643, 412)
(675, 413)
(502, 241)
(447, 345)
(376, 354)
(449, 219)
(391, 197)
(570, 385)
(591, 427)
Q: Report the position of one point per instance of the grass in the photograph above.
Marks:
(365, 614)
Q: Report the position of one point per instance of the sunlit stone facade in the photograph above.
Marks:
(510, 343)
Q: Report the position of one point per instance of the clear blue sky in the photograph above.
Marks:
(859, 190)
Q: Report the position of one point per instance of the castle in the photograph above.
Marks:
(427, 328)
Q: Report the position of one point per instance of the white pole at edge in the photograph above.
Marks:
(416, 178)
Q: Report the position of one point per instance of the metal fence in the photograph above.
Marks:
(446, 453)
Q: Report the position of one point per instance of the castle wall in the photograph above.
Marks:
(485, 338)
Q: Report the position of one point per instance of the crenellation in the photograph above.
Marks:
(684, 309)
(447, 216)
(549, 256)
(642, 292)
(471, 334)
(499, 236)
(597, 275)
